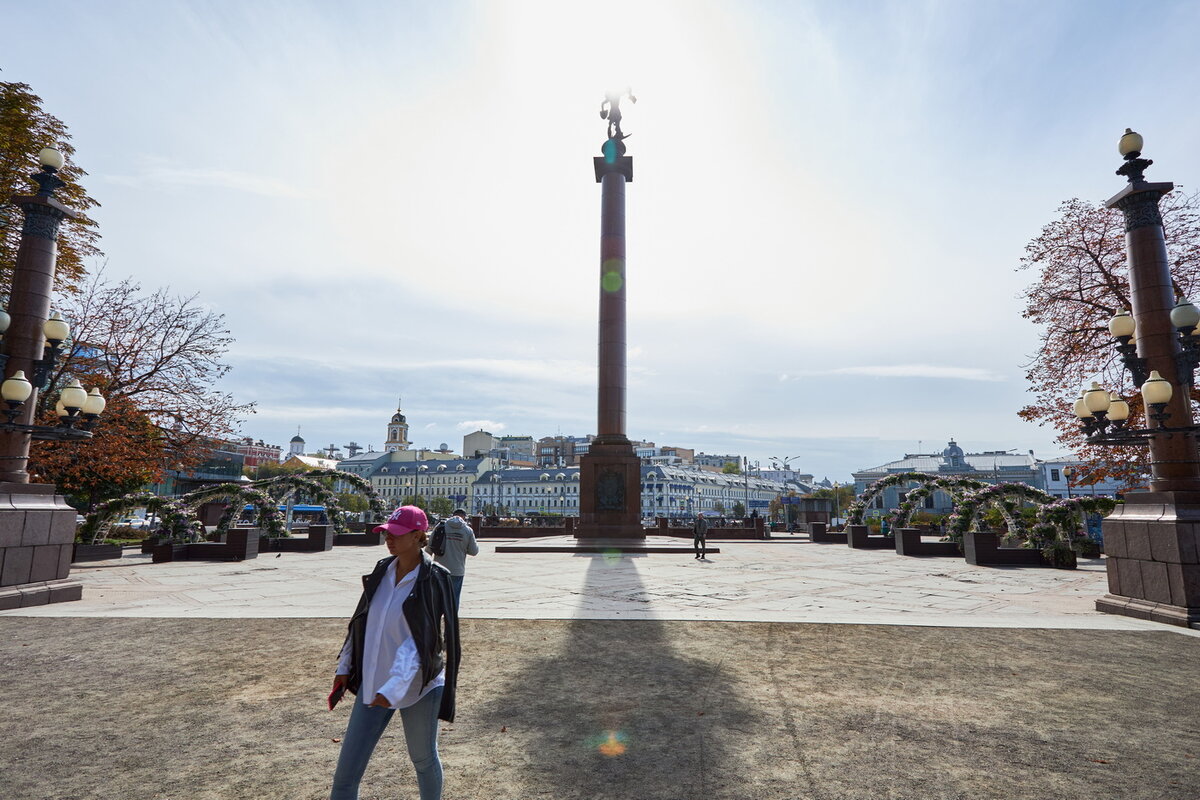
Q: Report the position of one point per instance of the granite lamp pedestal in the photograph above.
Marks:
(37, 532)
(1152, 544)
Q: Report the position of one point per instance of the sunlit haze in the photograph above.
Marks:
(828, 206)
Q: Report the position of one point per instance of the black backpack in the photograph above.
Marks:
(437, 544)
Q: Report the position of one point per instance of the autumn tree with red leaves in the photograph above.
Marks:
(157, 358)
(1082, 280)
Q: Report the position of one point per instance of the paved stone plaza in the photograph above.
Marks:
(778, 670)
(781, 580)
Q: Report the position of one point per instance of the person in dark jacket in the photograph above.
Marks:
(401, 654)
(700, 536)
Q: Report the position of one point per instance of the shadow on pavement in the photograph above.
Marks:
(611, 709)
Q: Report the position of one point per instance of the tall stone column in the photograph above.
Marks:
(37, 527)
(1152, 541)
(610, 477)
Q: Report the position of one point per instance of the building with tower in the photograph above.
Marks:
(397, 432)
(296, 445)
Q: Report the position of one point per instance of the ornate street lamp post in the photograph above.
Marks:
(1149, 540)
(38, 526)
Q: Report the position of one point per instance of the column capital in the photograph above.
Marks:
(1139, 203)
(42, 215)
(622, 165)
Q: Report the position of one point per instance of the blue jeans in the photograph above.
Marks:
(456, 582)
(367, 724)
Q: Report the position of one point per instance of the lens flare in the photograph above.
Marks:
(611, 556)
(612, 282)
(611, 744)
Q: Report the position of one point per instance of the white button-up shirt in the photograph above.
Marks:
(391, 666)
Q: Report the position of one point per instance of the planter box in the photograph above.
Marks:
(910, 543)
(366, 539)
(859, 537)
(94, 552)
(819, 532)
(169, 552)
(982, 548)
(318, 538)
(238, 546)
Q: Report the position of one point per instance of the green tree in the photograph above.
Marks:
(25, 128)
(775, 508)
(353, 502)
(417, 500)
(739, 510)
(844, 495)
(441, 506)
(719, 507)
(731, 468)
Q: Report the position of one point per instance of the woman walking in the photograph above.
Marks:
(401, 654)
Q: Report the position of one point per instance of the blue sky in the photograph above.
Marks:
(396, 199)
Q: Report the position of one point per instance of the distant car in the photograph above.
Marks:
(134, 522)
(80, 519)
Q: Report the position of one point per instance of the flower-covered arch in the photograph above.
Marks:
(282, 485)
(360, 483)
(1060, 520)
(268, 514)
(174, 516)
(1007, 497)
(927, 484)
(957, 488)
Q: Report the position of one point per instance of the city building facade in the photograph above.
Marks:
(1059, 480)
(256, 453)
(666, 491)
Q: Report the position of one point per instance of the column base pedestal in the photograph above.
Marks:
(37, 535)
(23, 595)
(1184, 616)
(1152, 549)
(610, 492)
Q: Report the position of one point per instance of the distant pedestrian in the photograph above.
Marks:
(401, 654)
(700, 536)
(459, 543)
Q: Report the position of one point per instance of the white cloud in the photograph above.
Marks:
(480, 425)
(922, 371)
(213, 178)
(903, 371)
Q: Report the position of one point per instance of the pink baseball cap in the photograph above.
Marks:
(403, 520)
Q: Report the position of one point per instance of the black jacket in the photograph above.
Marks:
(428, 609)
